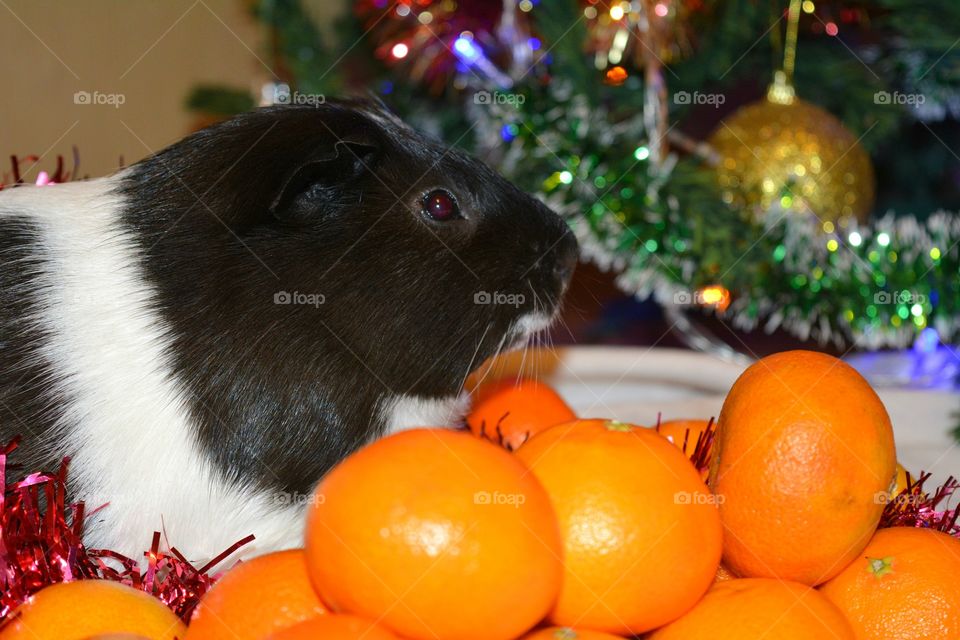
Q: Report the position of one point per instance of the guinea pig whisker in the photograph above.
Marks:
(476, 352)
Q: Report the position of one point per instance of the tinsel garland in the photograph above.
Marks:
(668, 233)
(41, 543)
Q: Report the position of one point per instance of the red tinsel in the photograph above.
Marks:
(60, 174)
(699, 451)
(41, 544)
(913, 507)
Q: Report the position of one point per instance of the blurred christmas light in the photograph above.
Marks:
(661, 9)
(465, 48)
(832, 29)
(716, 296)
(616, 76)
(399, 50)
(616, 12)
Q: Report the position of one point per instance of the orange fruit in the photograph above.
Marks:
(510, 412)
(642, 537)
(256, 598)
(435, 533)
(683, 433)
(334, 627)
(686, 435)
(904, 585)
(78, 610)
(759, 608)
(566, 633)
(723, 573)
(803, 456)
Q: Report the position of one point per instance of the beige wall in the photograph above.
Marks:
(150, 52)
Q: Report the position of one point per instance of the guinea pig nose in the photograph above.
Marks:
(566, 257)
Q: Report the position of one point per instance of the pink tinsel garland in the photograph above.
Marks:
(41, 544)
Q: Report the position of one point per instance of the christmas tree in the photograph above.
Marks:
(782, 164)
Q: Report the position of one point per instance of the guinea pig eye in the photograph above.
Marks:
(440, 205)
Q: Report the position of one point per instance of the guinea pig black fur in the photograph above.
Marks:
(208, 331)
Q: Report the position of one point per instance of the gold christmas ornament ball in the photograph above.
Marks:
(795, 157)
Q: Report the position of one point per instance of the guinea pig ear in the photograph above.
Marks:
(321, 180)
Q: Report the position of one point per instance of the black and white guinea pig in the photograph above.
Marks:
(208, 331)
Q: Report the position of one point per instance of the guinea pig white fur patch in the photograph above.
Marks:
(126, 423)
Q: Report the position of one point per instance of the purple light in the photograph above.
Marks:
(927, 341)
(534, 44)
(466, 49)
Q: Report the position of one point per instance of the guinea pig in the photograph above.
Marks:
(208, 331)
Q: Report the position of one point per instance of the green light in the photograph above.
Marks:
(651, 245)
(641, 153)
(565, 177)
(779, 253)
(883, 239)
(626, 193)
(903, 312)
(600, 182)
(935, 253)
(871, 311)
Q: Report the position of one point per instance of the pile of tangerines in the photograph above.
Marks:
(539, 525)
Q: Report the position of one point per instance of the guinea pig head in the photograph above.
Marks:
(425, 260)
